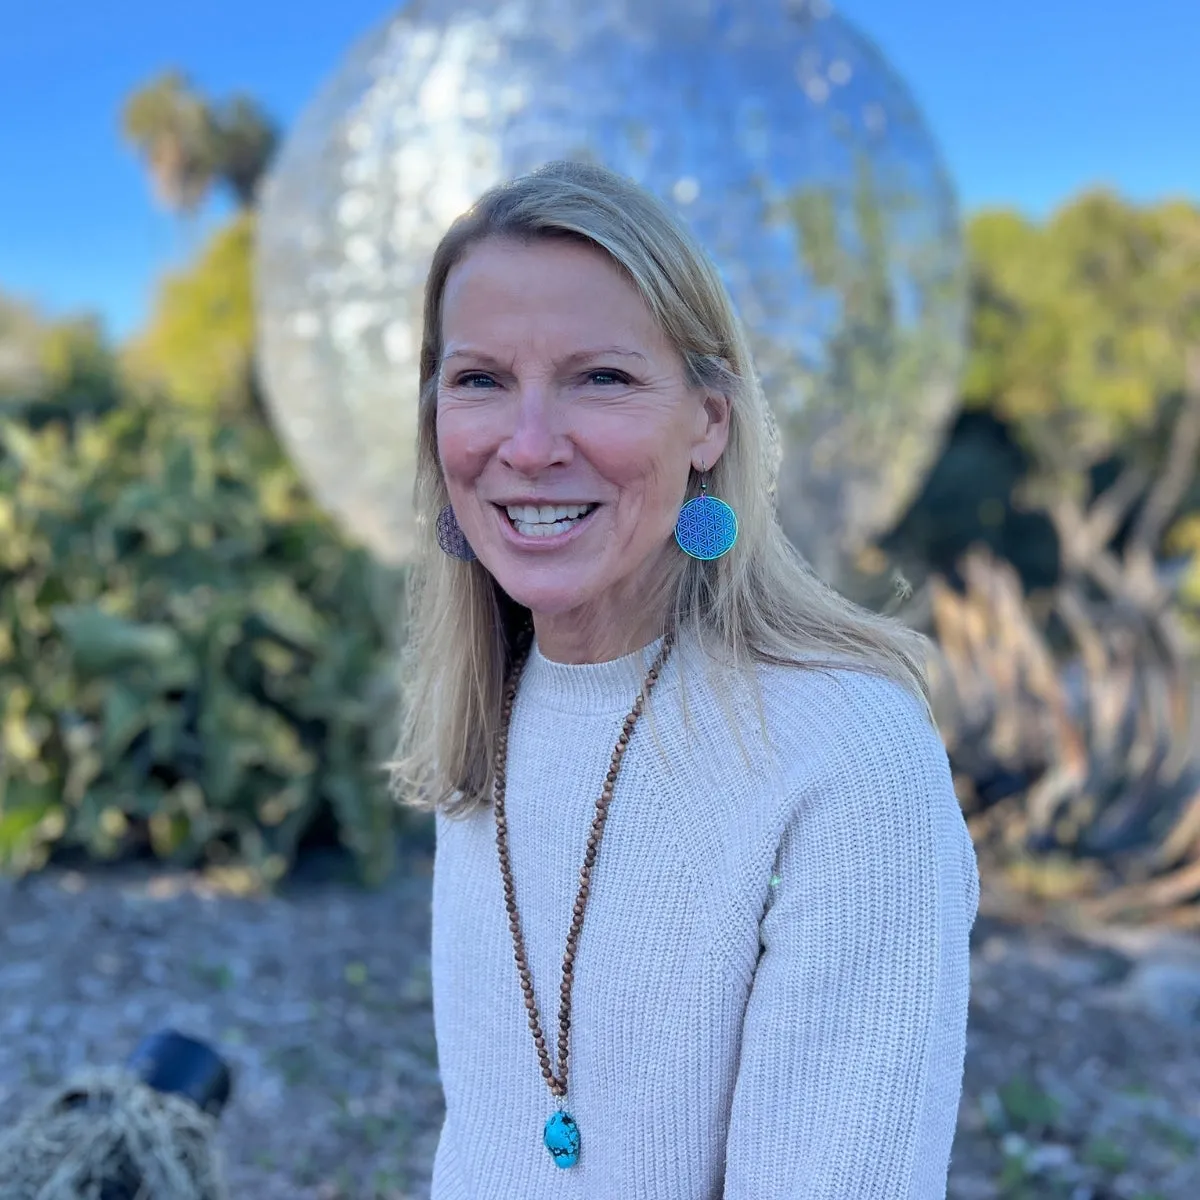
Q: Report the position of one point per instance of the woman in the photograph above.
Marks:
(702, 888)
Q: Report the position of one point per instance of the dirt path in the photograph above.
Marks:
(1082, 1082)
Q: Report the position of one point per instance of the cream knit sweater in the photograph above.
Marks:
(770, 994)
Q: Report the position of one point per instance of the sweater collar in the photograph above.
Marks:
(582, 688)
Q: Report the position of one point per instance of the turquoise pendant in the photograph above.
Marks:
(562, 1139)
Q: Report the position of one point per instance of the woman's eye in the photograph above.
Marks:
(607, 378)
(474, 379)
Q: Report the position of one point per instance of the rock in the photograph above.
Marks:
(562, 1139)
(1167, 990)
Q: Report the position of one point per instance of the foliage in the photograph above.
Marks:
(191, 662)
(1069, 713)
(966, 501)
(173, 129)
(188, 143)
(1079, 326)
(21, 330)
(54, 370)
(246, 140)
(199, 344)
(1082, 330)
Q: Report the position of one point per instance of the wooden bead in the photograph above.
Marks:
(558, 1086)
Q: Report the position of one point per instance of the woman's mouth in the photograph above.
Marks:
(547, 520)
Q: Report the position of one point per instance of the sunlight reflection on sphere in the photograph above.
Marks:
(775, 129)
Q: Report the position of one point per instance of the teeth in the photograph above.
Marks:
(546, 514)
(545, 520)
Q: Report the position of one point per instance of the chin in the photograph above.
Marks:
(547, 601)
(540, 587)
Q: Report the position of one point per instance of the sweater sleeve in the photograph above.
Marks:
(853, 1038)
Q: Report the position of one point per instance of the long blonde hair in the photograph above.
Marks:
(761, 603)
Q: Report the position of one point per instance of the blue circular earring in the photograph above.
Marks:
(707, 527)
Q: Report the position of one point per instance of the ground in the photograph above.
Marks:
(1082, 1075)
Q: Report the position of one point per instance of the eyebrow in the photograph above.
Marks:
(579, 356)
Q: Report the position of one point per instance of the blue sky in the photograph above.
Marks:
(1031, 100)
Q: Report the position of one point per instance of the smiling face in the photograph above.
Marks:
(566, 431)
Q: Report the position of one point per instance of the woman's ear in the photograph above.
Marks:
(712, 428)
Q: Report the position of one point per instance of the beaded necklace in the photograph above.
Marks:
(561, 1133)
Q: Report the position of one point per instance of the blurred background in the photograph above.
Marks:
(197, 678)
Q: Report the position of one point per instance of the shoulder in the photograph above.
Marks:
(870, 779)
(862, 792)
(867, 771)
(820, 718)
(764, 746)
(780, 729)
(870, 788)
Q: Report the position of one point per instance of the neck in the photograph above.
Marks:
(570, 642)
(618, 623)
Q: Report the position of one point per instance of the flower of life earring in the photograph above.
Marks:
(707, 527)
(451, 538)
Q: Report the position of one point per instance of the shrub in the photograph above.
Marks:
(192, 661)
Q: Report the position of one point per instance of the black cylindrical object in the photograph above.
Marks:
(170, 1062)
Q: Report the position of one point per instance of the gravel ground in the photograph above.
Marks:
(1083, 1065)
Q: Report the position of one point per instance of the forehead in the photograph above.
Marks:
(544, 291)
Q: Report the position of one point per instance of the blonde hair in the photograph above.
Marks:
(760, 603)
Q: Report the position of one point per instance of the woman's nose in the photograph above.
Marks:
(535, 440)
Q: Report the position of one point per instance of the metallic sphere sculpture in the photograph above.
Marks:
(777, 132)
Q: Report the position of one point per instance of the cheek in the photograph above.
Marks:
(459, 444)
(647, 463)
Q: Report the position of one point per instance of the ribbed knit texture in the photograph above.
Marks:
(770, 994)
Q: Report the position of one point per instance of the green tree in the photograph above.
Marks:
(1080, 327)
(246, 139)
(191, 144)
(199, 345)
(173, 129)
(21, 330)
(82, 376)
(1085, 339)
(54, 370)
